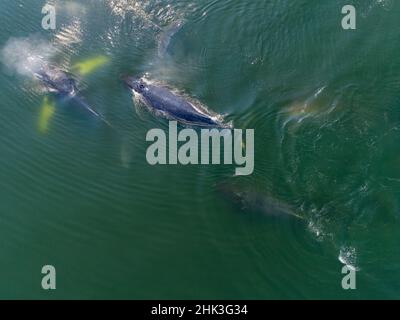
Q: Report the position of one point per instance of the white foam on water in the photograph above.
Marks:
(382, 4)
(122, 7)
(74, 8)
(348, 256)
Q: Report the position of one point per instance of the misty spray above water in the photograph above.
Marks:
(25, 56)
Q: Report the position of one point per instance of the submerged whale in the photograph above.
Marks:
(170, 105)
(251, 200)
(64, 86)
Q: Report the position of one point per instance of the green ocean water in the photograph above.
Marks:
(325, 106)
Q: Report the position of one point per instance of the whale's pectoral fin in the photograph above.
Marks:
(140, 106)
(88, 66)
(126, 152)
(166, 36)
(47, 111)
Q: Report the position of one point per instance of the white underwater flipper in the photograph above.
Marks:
(140, 106)
(166, 36)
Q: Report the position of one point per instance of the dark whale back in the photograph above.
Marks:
(64, 86)
(58, 81)
(169, 104)
(172, 105)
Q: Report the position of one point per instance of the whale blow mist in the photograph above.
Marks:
(26, 56)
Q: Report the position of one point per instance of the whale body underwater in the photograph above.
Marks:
(250, 200)
(169, 105)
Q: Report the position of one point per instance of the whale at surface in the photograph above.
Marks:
(64, 86)
(170, 105)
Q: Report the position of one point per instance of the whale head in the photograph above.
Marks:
(57, 81)
(136, 84)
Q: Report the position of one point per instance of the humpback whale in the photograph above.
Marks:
(64, 86)
(251, 200)
(170, 105)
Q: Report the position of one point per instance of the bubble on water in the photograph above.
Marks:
(316, 229)
(386, 5)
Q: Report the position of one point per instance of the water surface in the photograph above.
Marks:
(324, 104)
